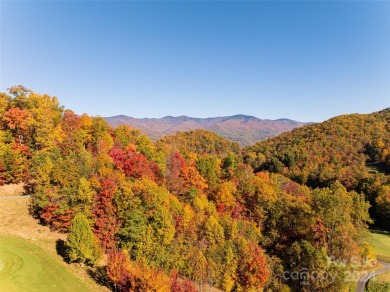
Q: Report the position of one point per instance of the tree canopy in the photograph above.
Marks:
(192, 209)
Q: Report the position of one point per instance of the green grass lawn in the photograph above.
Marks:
(26, 267)
(381, 243)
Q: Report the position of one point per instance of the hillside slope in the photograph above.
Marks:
(245, 130)
(352, 149)
(21, 232)
(337, 149)
(198, 141)
(179, 210)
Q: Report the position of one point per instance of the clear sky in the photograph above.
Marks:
(304, 60)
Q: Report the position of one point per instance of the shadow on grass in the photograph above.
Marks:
(62, 249)
(99, 275)
(380, 231)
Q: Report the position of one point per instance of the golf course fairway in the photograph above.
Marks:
(381, 242)
(26, 267)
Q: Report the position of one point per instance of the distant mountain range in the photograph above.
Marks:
(243, 129)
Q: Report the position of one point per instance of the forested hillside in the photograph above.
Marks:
(200, 142)
(187, 210)
(351, 149)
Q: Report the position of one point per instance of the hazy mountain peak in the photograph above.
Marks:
(240, 128)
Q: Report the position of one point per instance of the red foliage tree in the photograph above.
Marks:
(134, 164)
(181, 285)
(48, 213)
(182, 177)
(319, 232)
(106, 223)
(175, 181)
(2, 174)
(238, 210)
(60, 222)
(70, 124)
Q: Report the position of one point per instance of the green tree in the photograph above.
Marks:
(230, 267)
(82, 243)
(209, 168)
(133, 228)
(85, 194)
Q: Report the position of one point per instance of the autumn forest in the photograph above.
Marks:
(195, 210)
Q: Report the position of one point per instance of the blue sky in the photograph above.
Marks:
(304, 60)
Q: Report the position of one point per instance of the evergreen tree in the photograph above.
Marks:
(82, 243)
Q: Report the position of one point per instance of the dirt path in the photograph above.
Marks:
(363, 280)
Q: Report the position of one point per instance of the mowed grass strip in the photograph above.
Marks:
(26, 267)
(381, 242)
